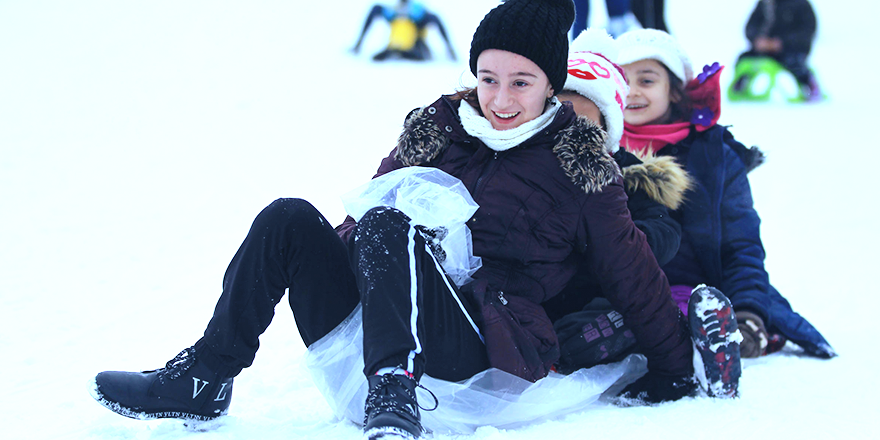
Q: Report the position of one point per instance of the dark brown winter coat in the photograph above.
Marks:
(656, 186)
(543, 205)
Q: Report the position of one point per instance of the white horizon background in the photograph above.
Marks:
(139, 139)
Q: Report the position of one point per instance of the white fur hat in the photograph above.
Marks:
(652, 44)
(592, 75)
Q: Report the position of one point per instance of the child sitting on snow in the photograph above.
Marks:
(672, 112)
(782, 30)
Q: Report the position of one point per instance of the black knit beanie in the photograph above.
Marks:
(535, 29)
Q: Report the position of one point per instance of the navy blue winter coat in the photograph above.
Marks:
(722, 228)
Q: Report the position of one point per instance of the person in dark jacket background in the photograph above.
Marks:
(620, 17)
(672, 112)
(650, 13)
(783, 30)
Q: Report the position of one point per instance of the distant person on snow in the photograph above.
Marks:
(549, 196)
(783, 30)
(620, 17)
(672, 112)
(409, 22)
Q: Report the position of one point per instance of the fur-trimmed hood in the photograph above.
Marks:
(579, 148)
(421, 140)
(581, 152)
(661, 178)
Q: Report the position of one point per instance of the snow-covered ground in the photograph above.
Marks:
(139, 139)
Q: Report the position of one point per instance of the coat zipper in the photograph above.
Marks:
(488, 170)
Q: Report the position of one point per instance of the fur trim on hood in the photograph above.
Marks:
(752, 156)
(421, 140)
(661, 178)
(580, 149)
(581, 152)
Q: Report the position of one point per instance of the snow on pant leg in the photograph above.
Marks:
(290, 246)
(413, 316)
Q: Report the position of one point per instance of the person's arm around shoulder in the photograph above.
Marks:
(632, 281)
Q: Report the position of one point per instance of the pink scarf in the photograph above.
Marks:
(641, 139)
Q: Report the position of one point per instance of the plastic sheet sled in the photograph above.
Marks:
(490, 398)
(431, 198)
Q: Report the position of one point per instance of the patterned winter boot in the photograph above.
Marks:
(184, 389)
(392, 411)
(716, 341)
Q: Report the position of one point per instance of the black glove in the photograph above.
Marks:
(592, 337)
(653, 388)
(433, 237)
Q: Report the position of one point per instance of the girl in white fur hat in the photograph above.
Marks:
(673, 111)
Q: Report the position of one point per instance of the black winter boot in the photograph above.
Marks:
(716, 340)
(392, 411)
(184, 389)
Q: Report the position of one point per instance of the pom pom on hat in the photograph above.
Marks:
(535, 29)
(596, 40)
(652, 44)
(592, 75)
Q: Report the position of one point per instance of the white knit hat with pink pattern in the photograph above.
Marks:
(593, 75)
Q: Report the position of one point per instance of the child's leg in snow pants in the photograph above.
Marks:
(290, 246)
(413, 315)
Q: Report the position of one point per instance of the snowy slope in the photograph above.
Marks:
(139, 139)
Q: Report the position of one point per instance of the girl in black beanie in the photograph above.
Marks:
(549, 196)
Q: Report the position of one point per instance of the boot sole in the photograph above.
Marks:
(388, 433)
(145, 415)
(716, 339)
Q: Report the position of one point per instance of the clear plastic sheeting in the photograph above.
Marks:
(491, 398)
(431, 198)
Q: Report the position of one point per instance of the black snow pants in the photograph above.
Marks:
(413, 316)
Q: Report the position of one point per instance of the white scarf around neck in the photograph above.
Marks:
(502, 140)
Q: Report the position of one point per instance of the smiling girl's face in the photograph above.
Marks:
(648, 102)
(511, 88)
